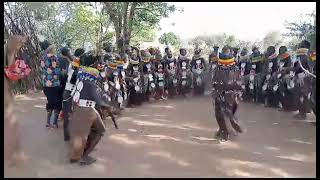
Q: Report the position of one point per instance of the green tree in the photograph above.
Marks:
(170, 39)
(292, 43)
(208, 41)
(303, 29)
(51, 19)
(62, 23)
(76, 23)
(221, 39)
(272, 38)
(144, 35)
(197, 42)
(128, 18)
(244, 44)
(230, 41)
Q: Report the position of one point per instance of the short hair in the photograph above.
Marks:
(225, 48)
(87, 59)
(65, 51)
(197, 51)
(283, 49)
(235, 49)
(182, 49)
(79, 52)
(107, 46)
(49, 49)
(244, 50)
(271, 49)
(255, 48)
(44, 45)
(304, 44)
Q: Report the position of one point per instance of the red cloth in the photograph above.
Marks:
(61, 115)
(17, 71)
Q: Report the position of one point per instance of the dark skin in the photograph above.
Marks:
(169, 55)
(256, 52)
(183, 52)
(287, 61)
(244, 52)
(235, 52)
(303, 58)
(213, 55)
(159, 61)
(148, 61)
(304, 107)
(193, 61)
(66, 55)
(108, 47)
(133, 56)
(152, 51)
(271, 50)
(103, 108)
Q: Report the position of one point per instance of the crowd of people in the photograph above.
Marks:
(280, 80)
(84, 88)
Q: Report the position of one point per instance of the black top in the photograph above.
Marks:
(260, 64)
(194, 60)
(91, 91)
(63, 64)
(183, 59)
(158, 67)
(304, 63)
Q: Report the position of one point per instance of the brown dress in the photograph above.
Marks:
(226, 84)
(83, 120)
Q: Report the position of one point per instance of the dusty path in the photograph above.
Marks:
(174, 138)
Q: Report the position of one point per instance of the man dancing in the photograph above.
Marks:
(86, 126)
(225, 86)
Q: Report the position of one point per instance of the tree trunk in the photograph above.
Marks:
(125, 24)
(122, 22)
(130, 22)
(118, 36)
(115, 19)
(85, 37)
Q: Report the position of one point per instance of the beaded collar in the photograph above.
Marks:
(226, 62)
(313, 56)
(302, 51)
(134, 62)
(88, 73)
(76, 62)
(169, 59)
(272, 56)
(112, 66)
(257, 59)
(284, 56)
(245, 57)
(183, 57)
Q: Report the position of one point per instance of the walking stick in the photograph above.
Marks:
(305, 70)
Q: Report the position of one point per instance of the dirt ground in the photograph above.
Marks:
(173, 138)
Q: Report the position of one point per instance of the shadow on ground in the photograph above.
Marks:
(174, 138)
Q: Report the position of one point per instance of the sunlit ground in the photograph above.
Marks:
(174, 138)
